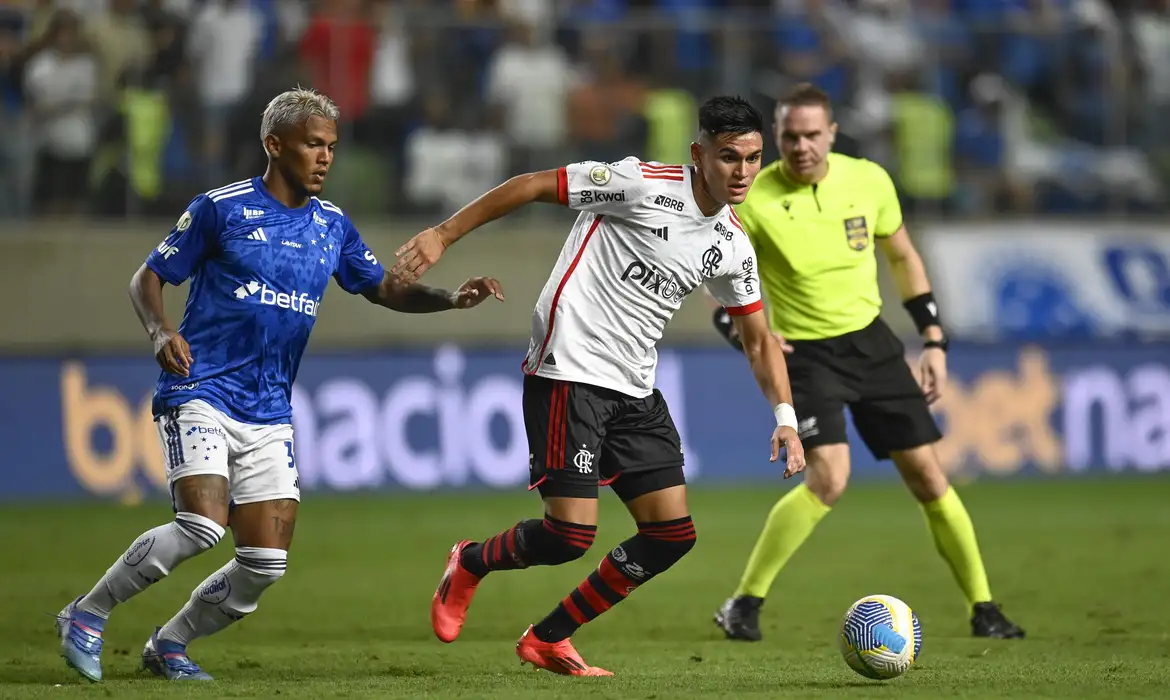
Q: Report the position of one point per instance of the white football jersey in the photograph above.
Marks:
(639, 247)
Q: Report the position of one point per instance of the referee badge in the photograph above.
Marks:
(857, 233)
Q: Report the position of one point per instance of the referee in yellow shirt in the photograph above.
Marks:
(814, 218)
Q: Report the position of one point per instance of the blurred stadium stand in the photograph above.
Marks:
(979, 107)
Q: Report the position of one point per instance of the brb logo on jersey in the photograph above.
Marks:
(300, 303)
(666, 285)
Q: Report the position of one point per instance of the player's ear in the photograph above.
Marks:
(696, 154)
(832, 133)
(272, 146)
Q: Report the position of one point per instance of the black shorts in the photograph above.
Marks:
(867, 371)
(581, 437)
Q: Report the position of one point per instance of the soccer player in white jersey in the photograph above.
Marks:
(647, 236)
(259, 254)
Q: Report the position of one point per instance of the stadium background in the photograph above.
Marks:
(1028, 140)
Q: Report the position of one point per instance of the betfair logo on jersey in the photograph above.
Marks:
(663, 284)
(857, 233)
(300, 303)
(591, 197)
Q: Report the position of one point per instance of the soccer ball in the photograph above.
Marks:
(880, 637)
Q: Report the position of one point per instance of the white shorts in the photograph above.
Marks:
(257, 460)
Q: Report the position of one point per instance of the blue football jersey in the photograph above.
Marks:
(258, 272)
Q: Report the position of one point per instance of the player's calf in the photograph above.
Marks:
(227, 596)
(546, 542)
(657, 547)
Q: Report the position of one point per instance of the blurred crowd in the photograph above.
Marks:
(978, 107)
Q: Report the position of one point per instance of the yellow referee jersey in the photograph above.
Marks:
(815, 245)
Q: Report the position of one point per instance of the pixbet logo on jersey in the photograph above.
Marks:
(666, 285)
(300, 303)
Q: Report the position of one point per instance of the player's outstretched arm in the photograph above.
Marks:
(420, 299)
(170, 349)
(424, 250)
(771, 371)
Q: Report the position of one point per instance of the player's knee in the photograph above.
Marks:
(559, 542)
(669, 541)
(828, 487)
(260, 567)
(203, 532)
(922, 473)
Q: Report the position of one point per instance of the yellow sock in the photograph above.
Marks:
(791, 521)
(954, 536)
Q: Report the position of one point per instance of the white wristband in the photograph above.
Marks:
(785, 415)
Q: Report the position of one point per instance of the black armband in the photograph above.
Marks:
(726, 328)
(924, 310)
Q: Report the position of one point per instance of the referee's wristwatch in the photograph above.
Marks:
(943, 343)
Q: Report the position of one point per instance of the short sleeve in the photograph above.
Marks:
(889, 217)
(194, 238)
(357, 269)
(737, 286)
(604, 188)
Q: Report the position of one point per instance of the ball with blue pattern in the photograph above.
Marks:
(880, 637)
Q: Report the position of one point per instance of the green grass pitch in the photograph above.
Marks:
(1081, 564)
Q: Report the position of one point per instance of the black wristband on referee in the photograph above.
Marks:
(924, 310)
(724, 325)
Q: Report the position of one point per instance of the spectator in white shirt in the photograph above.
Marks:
(528, 83)
(223, 43)
(61, 84)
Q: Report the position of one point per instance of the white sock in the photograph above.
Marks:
(152, 556)
(227, 595)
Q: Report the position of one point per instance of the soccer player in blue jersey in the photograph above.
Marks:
(259, 254)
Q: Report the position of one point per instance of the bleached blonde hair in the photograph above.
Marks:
(294, 108)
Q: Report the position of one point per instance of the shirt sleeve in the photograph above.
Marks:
(194, 237)
(737, 287)
(889, 217)
(357, 269)
(605, 188)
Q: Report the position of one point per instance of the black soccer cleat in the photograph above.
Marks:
(988, 620)
(739, 618)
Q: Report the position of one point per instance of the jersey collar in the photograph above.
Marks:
(783, 172)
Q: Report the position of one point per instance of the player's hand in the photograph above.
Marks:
(932, 373)
(784, 437)
(418, 255)
(172, 353)
(477, 290)
(784, 344)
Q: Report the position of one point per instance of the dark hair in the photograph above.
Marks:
(729, 115)
(807, 95)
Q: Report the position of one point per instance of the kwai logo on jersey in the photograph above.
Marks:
(664, 284)
(300, 303)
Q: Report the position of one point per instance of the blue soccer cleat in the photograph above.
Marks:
(81, 640)
(169, 660)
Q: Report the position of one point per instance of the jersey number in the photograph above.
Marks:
(291, 462)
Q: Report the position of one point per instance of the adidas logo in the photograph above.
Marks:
(550, 360)
(253, 213)
(258, 235)
(661, 232)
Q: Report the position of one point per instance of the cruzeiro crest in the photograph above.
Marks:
(857, 233)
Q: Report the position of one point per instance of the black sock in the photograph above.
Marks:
(655, 548)
(529, 543)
